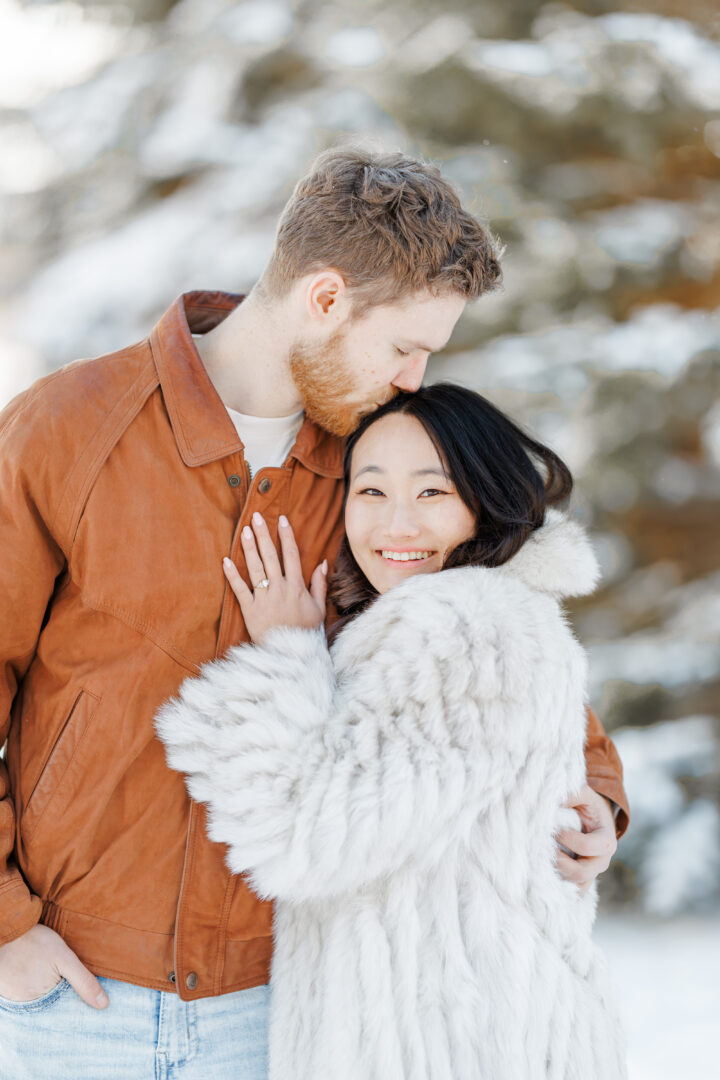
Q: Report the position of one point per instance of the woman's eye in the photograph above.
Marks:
(370, 491)
(433, 491)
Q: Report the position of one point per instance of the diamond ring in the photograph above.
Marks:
(262, 584)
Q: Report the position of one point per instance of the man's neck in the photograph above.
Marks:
(246, 358)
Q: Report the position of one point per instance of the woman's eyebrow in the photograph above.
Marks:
(369, 468)
(427, 472)
(417, 472)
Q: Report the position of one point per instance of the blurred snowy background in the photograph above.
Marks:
(146, 148)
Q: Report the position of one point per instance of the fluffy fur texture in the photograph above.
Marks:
(398, 797)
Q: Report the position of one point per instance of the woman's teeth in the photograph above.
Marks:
(405, 556)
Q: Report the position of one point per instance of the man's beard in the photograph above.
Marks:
(329, 393)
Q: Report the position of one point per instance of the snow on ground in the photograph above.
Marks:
(666, 972)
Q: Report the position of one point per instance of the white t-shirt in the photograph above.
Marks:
(267, 439)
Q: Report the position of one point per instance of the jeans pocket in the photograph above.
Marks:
(36, 1004)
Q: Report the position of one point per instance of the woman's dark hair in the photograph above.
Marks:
(489, 460)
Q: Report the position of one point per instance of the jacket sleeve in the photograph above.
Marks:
(320, 784)
(605, 771)
(30, 561)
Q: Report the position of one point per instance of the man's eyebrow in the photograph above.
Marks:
(422, 348)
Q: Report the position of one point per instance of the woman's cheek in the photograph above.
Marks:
(356, 531)
(350, 525)
(457, 525)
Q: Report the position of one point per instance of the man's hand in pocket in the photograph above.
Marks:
(31, 965)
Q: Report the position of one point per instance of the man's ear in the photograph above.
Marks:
(326, 296)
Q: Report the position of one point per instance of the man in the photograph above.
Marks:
(123, 479)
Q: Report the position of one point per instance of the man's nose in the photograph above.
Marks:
(411, 376)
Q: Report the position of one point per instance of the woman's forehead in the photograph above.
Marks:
(397, 441)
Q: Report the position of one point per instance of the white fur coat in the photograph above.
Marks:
(398, 797)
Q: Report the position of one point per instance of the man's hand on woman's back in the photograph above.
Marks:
(594, 847)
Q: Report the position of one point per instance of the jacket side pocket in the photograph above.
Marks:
(61, 757)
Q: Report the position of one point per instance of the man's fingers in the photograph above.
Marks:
(599, 842)
(594, 848)
(290, 552)
(572, 870)
(582, 796)
(82, 981)
(595, 810)
(581, 871)
(568, 867)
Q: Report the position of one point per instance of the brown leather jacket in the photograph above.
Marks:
(122, 485)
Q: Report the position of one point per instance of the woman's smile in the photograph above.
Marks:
(404, 555)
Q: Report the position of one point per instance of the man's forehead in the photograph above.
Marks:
(418, 317)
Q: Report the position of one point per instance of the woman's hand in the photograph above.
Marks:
(284, 601)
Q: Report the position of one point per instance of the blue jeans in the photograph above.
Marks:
(141, 1035)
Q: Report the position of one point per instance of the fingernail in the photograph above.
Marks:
(257, 518)
(247, 533)
(227, 562)
(283, 520)
(102, 999)
(324, 566)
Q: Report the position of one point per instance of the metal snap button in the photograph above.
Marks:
(234, 480)
(264, 486)
(191, 981)
(171, 977)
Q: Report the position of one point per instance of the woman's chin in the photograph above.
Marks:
(384, 577)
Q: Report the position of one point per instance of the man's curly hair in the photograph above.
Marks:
(390, 225)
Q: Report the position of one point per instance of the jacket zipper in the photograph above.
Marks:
(176, 947)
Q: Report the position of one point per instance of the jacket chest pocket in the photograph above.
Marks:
(64, 762)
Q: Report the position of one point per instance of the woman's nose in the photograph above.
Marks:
(401, 523)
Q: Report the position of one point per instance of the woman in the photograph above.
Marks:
(398, 794)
